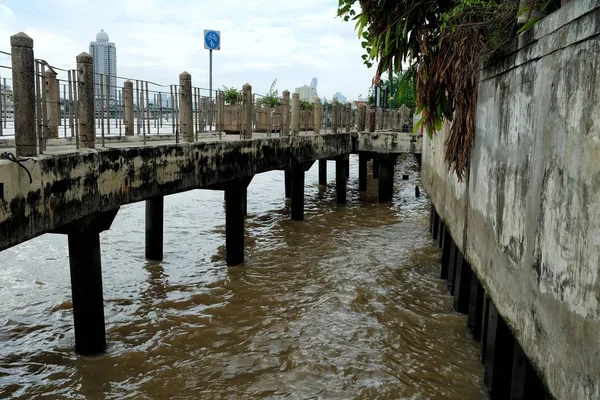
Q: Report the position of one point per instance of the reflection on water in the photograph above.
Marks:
(345, 305)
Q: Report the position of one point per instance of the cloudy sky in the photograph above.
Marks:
(291, 40)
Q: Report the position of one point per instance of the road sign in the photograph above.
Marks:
(212, 40)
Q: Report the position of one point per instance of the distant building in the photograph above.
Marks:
(313, 84)
(105, 63)
(340, 97)
(306, 92)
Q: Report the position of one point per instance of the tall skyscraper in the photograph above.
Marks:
(306, 93)
(340, 97)
(105, 63)
(313, 84)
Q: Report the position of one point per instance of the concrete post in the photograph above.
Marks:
(387, 163)
(317, 109)
(360, 125)
(445, 254)
(436, 223)
(234, 224)
(375, 167)
(298, 191)
(23, 75)
(525, 383)
(323, 172)
(288, 183)
(340, 178)
(220, 111)
(379, 119)
(452, 267)
(52, 103)
(186, 116)
(348, 112)
(128, 104)
(372, 118)
(85, 86)
(295, 113)
(335, 109)
(362, 172)
(475, 307)
(440, 237)
(247, 106)
(154, 228)
(285, 117)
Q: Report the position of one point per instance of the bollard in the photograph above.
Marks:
(362, 111)
(247, 111)
(128, 104)
(220, 111)
(52, 103)
(295, 113)
(335, 109)
(23, 76)
(186, 116)
(285, 116)
(317, 110)
(85, 94)
(348, 112)
(372, 117)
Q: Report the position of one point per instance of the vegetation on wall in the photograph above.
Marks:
(272, 98)
(444, 43)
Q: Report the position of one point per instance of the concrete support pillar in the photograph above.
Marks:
(485, 310)
(387, 163)
(23, 81)
(362, 172)
(340, 178)
(288, 183)
(86, 280)
(452, 267)
(475, 307)
(436, 225)
(446, 254)
(379, 119)
(298, 192)
(335, 111)
(375, 166)
(525, 382)
(154, 228)
(234, 224)
(247, 106)
(462, 286)
(128, 105)
(285, 117)
(348, 168)
(362, 113)
(85, 93)
(431, 213)
(186, 114)
(440, 233)
(52, 103)
(372, 118)
(317, 112)
(323, 172)
(295, 113)
(348, 113)
(499, 356)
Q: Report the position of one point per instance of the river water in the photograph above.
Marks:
(345, 305)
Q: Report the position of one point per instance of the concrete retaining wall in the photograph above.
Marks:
(527, 217)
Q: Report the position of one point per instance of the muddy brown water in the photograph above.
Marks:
(345, 305)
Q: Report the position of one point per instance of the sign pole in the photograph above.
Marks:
(210, 96)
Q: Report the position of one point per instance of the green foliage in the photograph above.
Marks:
(231, 95)
(272, 98)
(306, 105)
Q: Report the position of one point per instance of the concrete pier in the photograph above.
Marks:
(362, 172)
(387, 163)
(298, 193)
(23, 81)
(525, 384)
(335, 111)
(235, 194)
(86, 280)
(323, 172)
(340, 178)
(154, 228)
(248, 111)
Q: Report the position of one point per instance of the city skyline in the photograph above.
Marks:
(104, 53)
(283, 41)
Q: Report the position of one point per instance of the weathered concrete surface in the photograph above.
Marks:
(528, 216)
(69, 185)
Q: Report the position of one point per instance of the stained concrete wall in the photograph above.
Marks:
(528, 215)
(71, 185)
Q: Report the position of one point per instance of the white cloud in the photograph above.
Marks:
(156, 40)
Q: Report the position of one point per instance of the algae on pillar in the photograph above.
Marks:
(186, 116)
(85, 95)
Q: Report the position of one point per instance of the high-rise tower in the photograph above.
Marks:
(105, 63)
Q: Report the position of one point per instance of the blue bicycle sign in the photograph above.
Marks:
(212, 40)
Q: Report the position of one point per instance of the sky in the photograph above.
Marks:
(261, 40)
